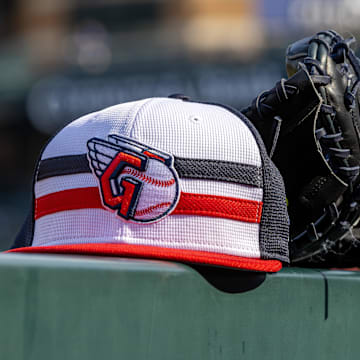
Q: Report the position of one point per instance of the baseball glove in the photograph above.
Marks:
(310, 125)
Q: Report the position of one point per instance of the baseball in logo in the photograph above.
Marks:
(137, 181)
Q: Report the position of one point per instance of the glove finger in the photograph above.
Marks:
(313, 50)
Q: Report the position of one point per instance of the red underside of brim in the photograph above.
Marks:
(154, 252)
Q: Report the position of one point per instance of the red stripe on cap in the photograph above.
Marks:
(82, 198)
(219, 206)
(154, 252)
(189, 204)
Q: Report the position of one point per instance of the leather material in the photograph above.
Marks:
(287, 101)
(310, 125)
(295, 54)
(310, 187)
(328, 54)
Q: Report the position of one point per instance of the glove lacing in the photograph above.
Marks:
(337, 156)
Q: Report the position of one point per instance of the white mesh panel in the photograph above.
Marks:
(72, 139)
(195, 131)
(67, 182)
(182, 128)
(221, 189)
(176, 231)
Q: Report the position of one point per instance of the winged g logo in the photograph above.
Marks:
(137, 181)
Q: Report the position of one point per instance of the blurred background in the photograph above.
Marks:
(60, 59)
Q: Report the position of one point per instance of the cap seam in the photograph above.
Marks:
(135, 119)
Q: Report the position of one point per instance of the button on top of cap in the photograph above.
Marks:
(179, 96)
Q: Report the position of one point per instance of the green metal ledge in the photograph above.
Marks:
(79, 307)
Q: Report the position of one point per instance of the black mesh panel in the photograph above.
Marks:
(274, 225)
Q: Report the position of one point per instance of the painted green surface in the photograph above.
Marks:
(73, 307)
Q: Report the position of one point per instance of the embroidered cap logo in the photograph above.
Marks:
(136, 180)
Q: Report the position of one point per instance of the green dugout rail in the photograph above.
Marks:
(81, 307)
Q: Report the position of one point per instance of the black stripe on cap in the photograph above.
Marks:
(63, 165)
(216, 170)
(219, 171)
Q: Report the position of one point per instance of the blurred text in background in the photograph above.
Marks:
(60, 59)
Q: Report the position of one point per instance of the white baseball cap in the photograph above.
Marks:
(163, 178)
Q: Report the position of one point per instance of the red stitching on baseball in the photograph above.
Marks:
(149, 179)
(151, 209)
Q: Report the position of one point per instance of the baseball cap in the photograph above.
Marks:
(163, 178)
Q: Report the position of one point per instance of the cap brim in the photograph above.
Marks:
(154, 252)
